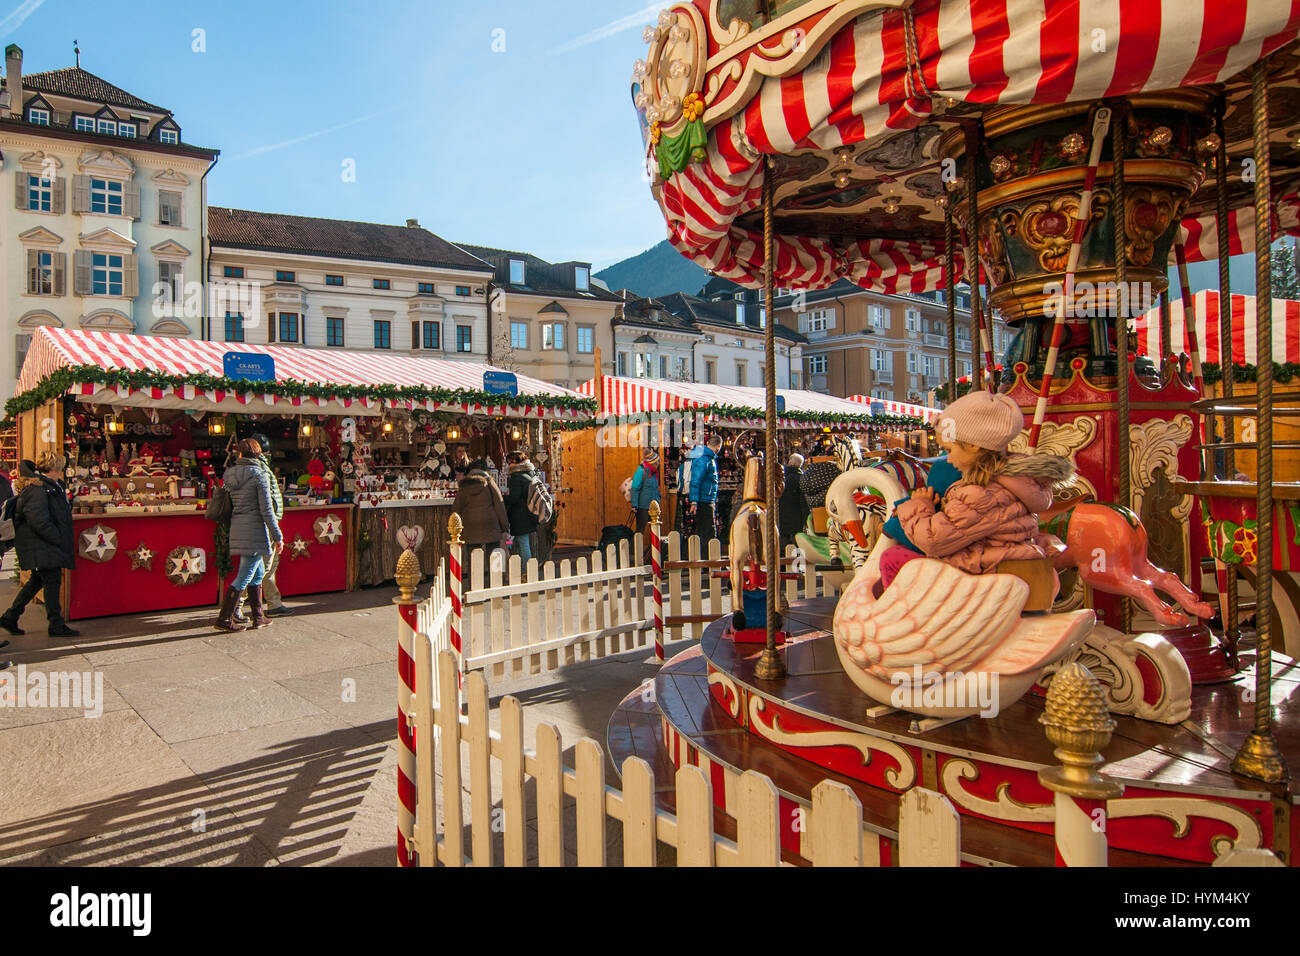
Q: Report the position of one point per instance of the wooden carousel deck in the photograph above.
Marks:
(1181, 805)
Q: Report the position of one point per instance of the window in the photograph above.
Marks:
(432, 338)
(517, 271)
(333, 280)
(464, 338)
(882, 393)
(84, 124)
(106, 126)
(38, 116)
(878, 316)
(169, 136)
(234, 327)
(21, 344)
(334, 331)
(740, 373)
(817, 365)
(740, 312)
(762, 318)
(819, 320)
(106, 197)
(40, 278)
(126, 129)
(282, 276)
(172, 282)
(288, 326)
(462, 290)
(519, 335)
(424, 288)
(581, 278)
(169, 208)
(663, 366)
(683, 370)
(912, 319)
(553, 336)
(40, 194)
(965, 366)
(622, 363)
(233, 272)
(880, 360)
(931, 365)
(911, 361)
(380, 284)
(710, 372)
(383, 334)
(586, 340)
(106, 274)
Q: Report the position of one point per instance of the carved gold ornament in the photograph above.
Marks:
(1047, 227)
(1113, 657)
(1153, 444)
(1147, 214)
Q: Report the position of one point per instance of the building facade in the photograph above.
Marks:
(732, 347)
(548, 318)
(651, 341)
(328, 283)
(105, 229)
(892, 347)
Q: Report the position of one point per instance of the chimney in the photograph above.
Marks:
(14, 78)
(413, 223)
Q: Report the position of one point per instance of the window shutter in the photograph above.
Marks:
(81, 266)
(60, 267)
(131, 200)
(20, 190)
(33, 271)
(803, 322)
(60, 194)
(270, 327)
(415, 335)
(81, 194)
(131, 276)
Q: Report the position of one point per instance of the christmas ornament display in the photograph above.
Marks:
(141, 557)
(298, 548)
(186, 565)
(328, 528)
(98, 544)
(410, 536)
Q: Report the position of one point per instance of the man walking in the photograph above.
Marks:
(704, 489)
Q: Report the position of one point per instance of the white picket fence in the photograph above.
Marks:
(833, 832)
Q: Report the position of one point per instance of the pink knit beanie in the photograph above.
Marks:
(983, 419)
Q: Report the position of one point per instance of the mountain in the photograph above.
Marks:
(659, 270)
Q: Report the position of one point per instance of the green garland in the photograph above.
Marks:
(1241, 372)
(814, 418)
(58, 383)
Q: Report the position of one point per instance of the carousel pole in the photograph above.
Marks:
(1259, 757)
(1231, 629)
(770, 666)
(973, 256)
(1193, 342)
(1119, 213)
(1165, 330)
(950, 256)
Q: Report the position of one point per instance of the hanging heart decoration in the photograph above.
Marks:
(410, 537)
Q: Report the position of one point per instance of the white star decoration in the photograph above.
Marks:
(298, 548)
(142, 557)
(186, 565)
(329, 528)
(99, 543)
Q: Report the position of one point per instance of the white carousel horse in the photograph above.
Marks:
(749, 532)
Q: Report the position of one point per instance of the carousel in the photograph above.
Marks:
(1059, 167)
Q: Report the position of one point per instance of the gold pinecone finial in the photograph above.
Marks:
(1079, 725)
(655, 512)
(455, 528)
(408, 576)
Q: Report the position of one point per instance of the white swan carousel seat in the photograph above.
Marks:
(943, 643)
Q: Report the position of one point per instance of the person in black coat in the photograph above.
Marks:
(523, 523)
(44, 540)
(792, 510)
(6, 495)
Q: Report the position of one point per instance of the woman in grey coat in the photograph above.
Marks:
(254, 534)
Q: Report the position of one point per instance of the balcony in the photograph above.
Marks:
(882, 376)
(936, 341)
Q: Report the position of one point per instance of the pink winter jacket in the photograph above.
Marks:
(979, 528)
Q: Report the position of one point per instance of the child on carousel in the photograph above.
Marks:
(991, 514)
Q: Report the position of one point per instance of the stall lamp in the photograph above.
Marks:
(306, 428)
(515, 433)
(113, 424)
(826, 429)
(388, 427)
(216, 428)
(453, 432)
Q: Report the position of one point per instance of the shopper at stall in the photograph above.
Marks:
(704, 489)
(254, 534)
(461, 463)
(6, 495)
(44, 540)
(482, 512)
(792, 510)
(274, 601)
(645, 488)
(519, 486)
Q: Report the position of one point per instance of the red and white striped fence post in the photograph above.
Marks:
(656, 572)
(1079, 724)
(455, 555)
(408, 578)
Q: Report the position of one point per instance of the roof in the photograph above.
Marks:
(654, 314)
(344, 239)
(633, 396)
(53, 349)
(722, 315)
(554, 279)
(83, 85)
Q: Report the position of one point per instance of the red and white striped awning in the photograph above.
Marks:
(625, 397)
(53, 349)
(898, 408)
(884, 70)
(1207, 307)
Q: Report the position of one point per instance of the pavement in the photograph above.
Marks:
(268, 747)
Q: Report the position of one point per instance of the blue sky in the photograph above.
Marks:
(535, 148)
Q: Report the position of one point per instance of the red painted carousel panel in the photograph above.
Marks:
(997, 784)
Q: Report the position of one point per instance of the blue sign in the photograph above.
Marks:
(877, 408)
(500, 383)
(780, 407)
(249, 366)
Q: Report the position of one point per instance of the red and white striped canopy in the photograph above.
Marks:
(898, 408)
(1207, 307)
(872, 70)
(53, 349)
(637, 396)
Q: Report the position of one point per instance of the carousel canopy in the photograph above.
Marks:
(117, 369)
(849, 100)
(1207, 309)
(727, 404)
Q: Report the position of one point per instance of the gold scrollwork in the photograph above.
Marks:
(1053, 249)
(1147, 214)
(729, 685)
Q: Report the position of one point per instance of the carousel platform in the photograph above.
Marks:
(1181, 805)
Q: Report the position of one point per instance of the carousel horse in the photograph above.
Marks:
(749, 534)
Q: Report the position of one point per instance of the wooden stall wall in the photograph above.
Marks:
(579, 518)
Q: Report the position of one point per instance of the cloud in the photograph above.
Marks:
(18, 15)
(638, 19)
(320, 132)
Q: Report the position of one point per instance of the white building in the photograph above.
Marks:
(106, 224)
(731, 347)
(329, 283)
(650, 341)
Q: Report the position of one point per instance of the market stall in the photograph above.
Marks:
(362, 445)
(911, 435)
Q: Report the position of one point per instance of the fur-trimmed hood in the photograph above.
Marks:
(1049, 469)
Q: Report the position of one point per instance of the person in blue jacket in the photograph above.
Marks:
(645, 488)
(704, 489)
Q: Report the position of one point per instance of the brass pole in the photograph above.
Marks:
(1259, 757)
(1119, 219)
(1231, 628)
(972, 255)
(770, 666)
(950, 255)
